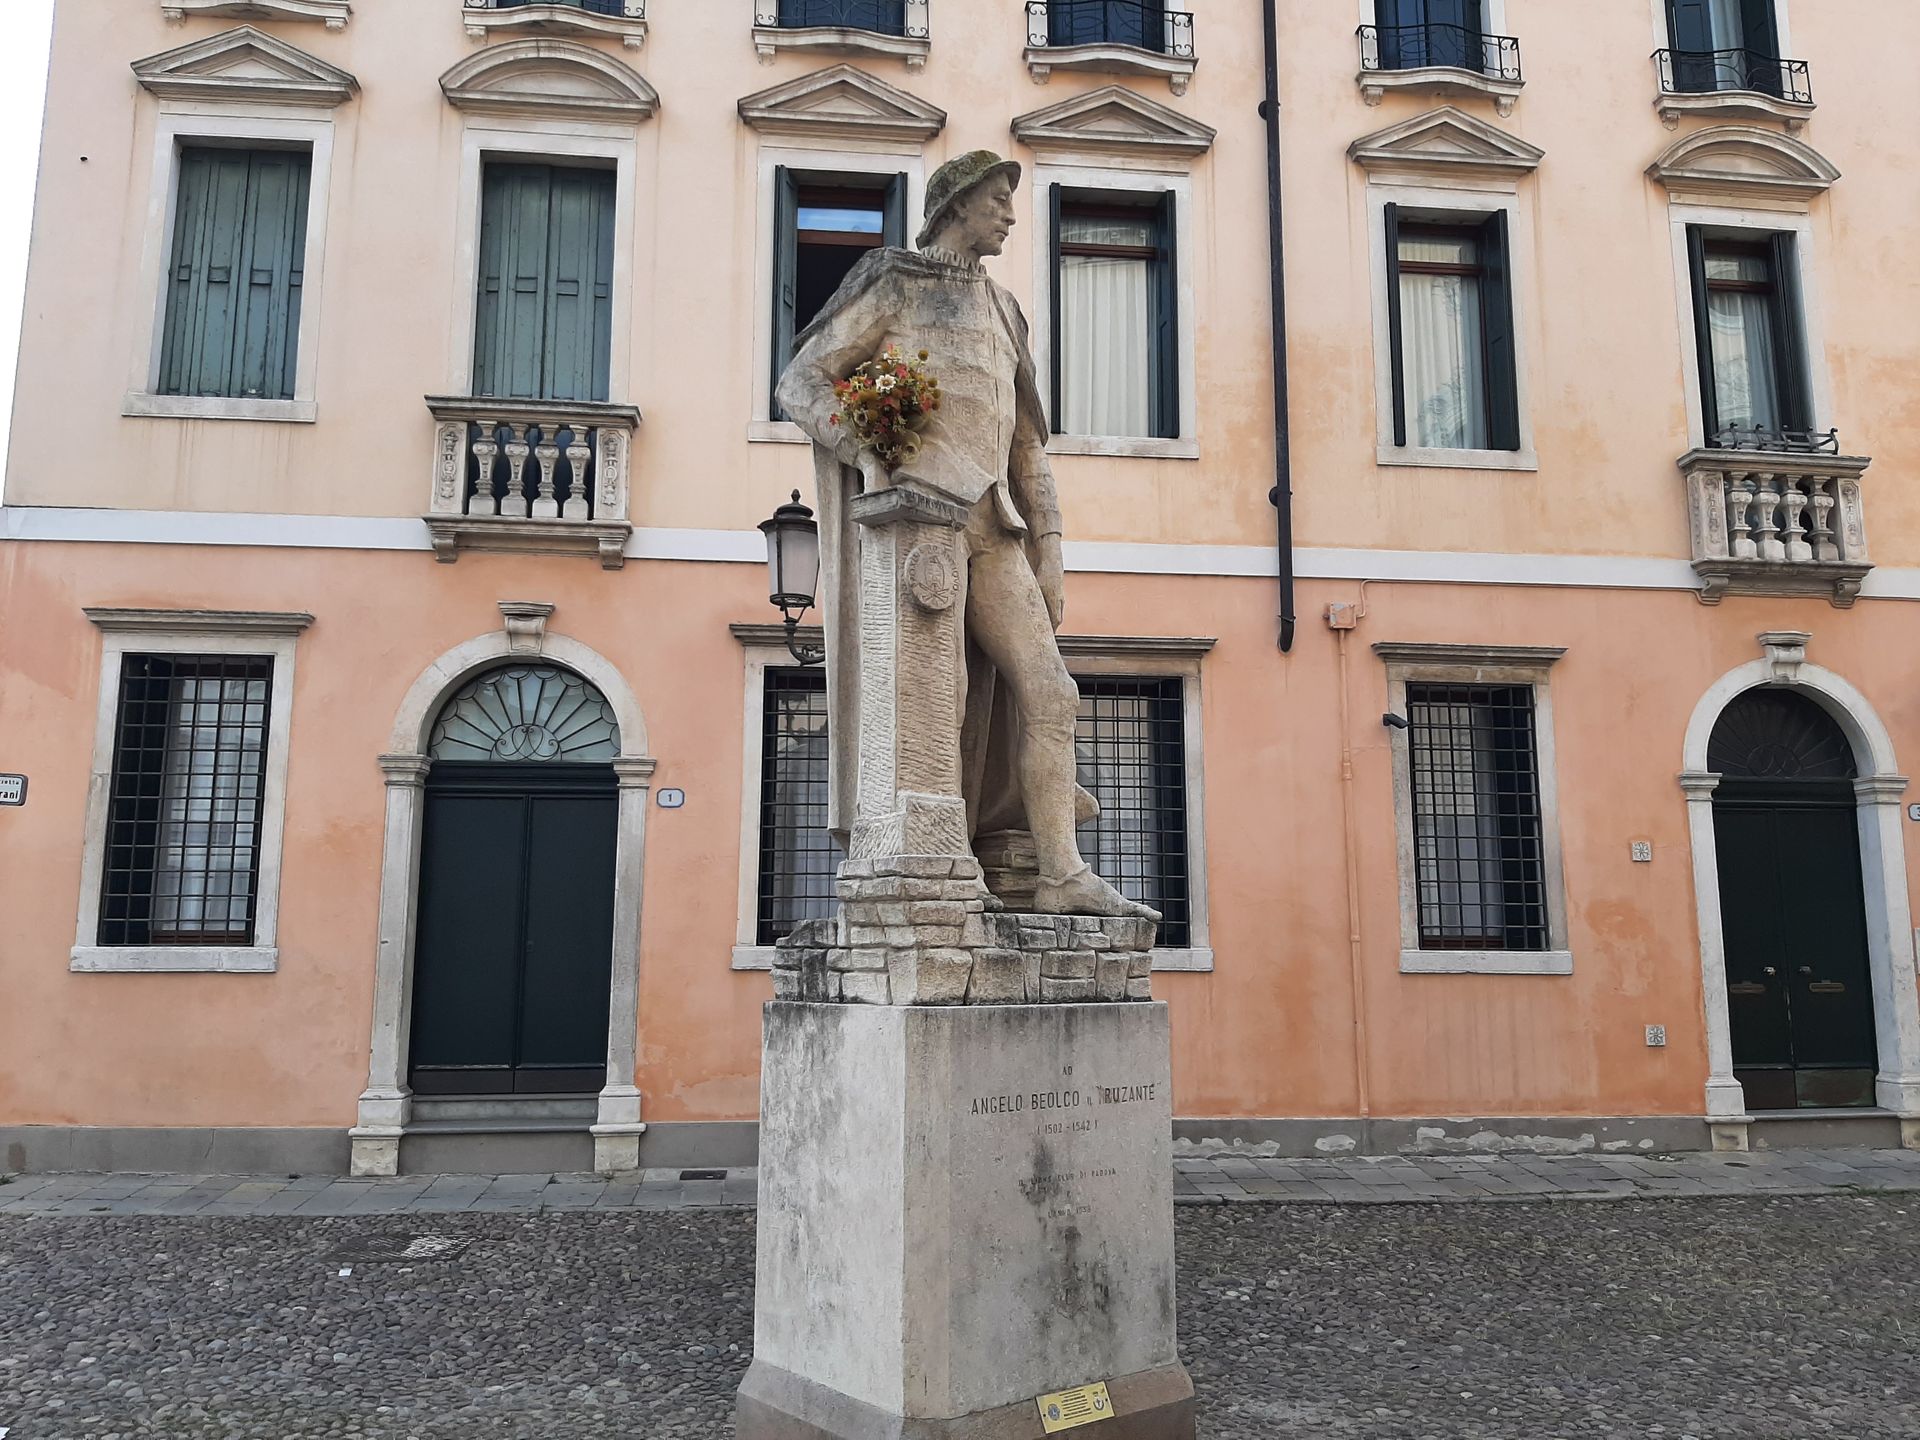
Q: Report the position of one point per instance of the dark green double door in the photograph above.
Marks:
(513, 955)
(1792, 911)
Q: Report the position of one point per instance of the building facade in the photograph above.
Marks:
(416, 776)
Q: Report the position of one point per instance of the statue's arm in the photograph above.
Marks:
(1029, 472)
(850, 336)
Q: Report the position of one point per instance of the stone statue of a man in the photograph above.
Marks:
(986, 450)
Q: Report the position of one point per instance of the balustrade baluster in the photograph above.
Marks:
(579, 452)
(1739, 497)
(1767, 518)
(485, 450)
(547, 452)
(514, 502)
(1794, 501)
(1821, 502)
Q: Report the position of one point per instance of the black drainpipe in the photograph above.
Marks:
(1281, 496)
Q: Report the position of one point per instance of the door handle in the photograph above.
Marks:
(1769, 970)
(1806, 969)
(1746, 988)
(1827, 987)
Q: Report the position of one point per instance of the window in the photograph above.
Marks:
(1476, 818)
(1725, 45)
(823, 224)
(1417, 33)
(1747, 324)
(798, 859)
(1450, 318)
(885, 17)
(544, 314)
(1107, 22)
(233, 284)
(1115, 315)
(1130, 744)
(184, 817)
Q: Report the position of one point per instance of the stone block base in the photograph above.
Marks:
(776, 1404)
(922, 930)
(963, 1208)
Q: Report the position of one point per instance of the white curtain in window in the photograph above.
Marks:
(1457, 821)
(1442, 350)
(1744, 386)
(209, 806)
(1729, 33)
(1105, 343)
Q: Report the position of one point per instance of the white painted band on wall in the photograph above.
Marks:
(748, 547)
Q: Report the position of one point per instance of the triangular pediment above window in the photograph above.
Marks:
(842, 102)
(1447, 141)
(1115, 119)
(1736, 161)
(550, 77)
(245, 64)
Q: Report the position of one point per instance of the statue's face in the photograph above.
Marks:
(982, 218)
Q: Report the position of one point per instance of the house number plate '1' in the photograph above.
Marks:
(1073, 1408)
(13, 789)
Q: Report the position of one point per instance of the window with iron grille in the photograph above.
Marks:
(1131, 749)
(797, 856)
(182, 860)
(1479, 863)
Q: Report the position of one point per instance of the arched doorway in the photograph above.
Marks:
(1800, 1005)
(512, 964)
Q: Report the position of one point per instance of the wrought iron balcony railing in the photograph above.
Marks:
(619, 9)
(1455, 47)
(1777, 513)
(1143, 24)
(1702, 72)
(905, 18)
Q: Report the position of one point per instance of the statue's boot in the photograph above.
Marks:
(1085, 893)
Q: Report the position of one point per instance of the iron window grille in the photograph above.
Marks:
(1130, 747)
(1144, 24)
(184, 811)
(1480, 867)
(1696, 72)
(1432, 43)
(619, 9)
(906, 18)
(798, 858)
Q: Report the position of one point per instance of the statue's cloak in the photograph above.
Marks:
(989, 729)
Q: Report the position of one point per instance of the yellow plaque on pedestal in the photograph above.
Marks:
(1072, 1408)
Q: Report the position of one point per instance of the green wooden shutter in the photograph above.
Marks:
(1789, 328)
(893, 208)
(1055, 329)
(1702, 332)
(1165, 369)
(1396, 360)
(543, 318)
(232, 323)
(1502, 352)
(786, 273)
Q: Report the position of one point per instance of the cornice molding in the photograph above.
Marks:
(1446, 141)
(550, 77)
(1744, 162)
(1117, 120)
(245, 64)
(774, 635)
(199, 622)
(843, 102)
(1487, 657)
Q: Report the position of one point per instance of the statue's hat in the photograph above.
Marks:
(956, 178)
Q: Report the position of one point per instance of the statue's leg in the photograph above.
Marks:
(1007, 618)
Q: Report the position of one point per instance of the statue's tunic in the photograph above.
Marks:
(986, 449)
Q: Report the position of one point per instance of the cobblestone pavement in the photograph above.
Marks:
(1721, 1319)
(1360, 1180)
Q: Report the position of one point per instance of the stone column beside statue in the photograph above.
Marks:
(965, 1138)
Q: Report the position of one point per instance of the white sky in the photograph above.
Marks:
(23, 92)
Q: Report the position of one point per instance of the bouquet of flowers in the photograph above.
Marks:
(886, 402)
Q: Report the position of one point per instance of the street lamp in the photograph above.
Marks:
(793, 572)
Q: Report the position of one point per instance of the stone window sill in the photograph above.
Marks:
(1043, 60)
(1431, 458)
(219, 407)
(839, 40)
(606, 539)
(557, 19)
(174, 960)
(775, 432)
(1486, 962)
(1124, 447)
(1733, 104)
(1196, 960)
(1440, 80)
(333, 13)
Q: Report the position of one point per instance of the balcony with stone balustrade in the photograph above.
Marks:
(1771, 517)
(546, 477)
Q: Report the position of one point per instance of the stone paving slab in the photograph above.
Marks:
(1227, 1180)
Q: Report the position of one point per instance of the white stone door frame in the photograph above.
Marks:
(1883, 864)
(386, 1105)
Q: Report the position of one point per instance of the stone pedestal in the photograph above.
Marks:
(963, 1208)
